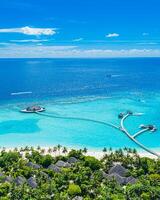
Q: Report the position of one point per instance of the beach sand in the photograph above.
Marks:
(90, 152)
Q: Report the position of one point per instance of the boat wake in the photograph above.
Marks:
(21, 93)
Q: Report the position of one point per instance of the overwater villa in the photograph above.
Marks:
(121, 115)
(33, 109)
(150, 127)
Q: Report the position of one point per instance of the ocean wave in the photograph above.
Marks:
(80, 99)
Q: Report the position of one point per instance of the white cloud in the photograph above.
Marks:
(147, 43)
(4, 43)
(44, 51)
(24, 41)
(30, 31)
(110, 35)
(77, 39)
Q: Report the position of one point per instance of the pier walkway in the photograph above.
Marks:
(121, 128)
(140, 132)
(78, 118)
(133, 137)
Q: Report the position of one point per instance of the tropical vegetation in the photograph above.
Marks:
(59, 174)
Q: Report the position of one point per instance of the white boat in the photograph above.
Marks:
(33, 109)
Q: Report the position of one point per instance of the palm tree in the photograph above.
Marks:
(42, 151)
(134, 151)
(49, 150)
(4, 149)
(59, 148)
(55, 150)
(64, 150)
(129, 150)
(38, 148)
(85, 150)
(16, 149)
(125, 149)
(26, 148)
(104, 149)
(21, 150)
(32, 148)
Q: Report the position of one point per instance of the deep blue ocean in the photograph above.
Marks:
(77, 77)
(96, 89)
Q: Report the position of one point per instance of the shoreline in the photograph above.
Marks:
(90, 152)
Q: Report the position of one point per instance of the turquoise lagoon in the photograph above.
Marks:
(19, 129)
(101, 97)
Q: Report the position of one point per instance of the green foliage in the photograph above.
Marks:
(35, 157)
(46, 160)
(75, 153)
(84, 178)
(92, 162)
(145, 196)
(117, 197)
(74, 189)
(7, 159)
(4, 189)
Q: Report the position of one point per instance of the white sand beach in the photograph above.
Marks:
(90, 152)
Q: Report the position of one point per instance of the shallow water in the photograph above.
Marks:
(84, 89)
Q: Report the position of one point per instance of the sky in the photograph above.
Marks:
(79, 28)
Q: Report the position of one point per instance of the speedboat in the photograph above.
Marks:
(33, 109)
